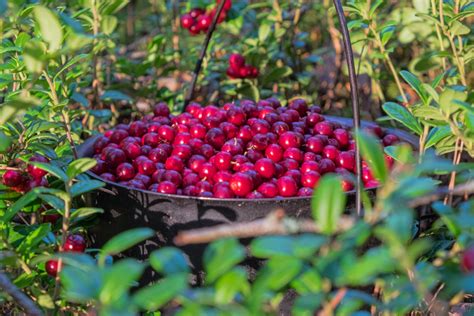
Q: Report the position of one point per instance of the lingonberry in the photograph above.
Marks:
(390, 140)
(222, 190)
(125, 171)
(52, 267)
(331, 152)
(13, 178)
(174, 163)
(265, 167)
(241, 184)
(34, 171)
(287, 186)
(161, 109)
(323, 128)
(187, 21)
(310, 179)
(346, 160)
(309, 166)
(289, 139)
(166, 187)
(326, 166)
(74, 243)
(268, 189)
(146, 167)
(305, 192)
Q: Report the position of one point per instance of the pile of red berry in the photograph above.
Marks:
(251, 150)
(239, 70)
(74, 243)
(198, 20)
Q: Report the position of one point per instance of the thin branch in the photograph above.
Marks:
(331, 306)
(274, 224)
(197, 69)
(460, 190)
(19, 297)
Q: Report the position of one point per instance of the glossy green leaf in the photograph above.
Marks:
(51, 169)
(372, 153)
(49, 26)
(84, 186)
(168, 260)
(118, 279)
(125, 240)
(436, 134)
(79, 166)
(155, 296)
(402, 115)
(114, 95)
(220, 256)
(328, 203)
(229, 285)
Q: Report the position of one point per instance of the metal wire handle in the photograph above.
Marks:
(349, 56)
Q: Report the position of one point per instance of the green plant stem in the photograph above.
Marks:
(389, 62)
(438, 34)
(423, 136)
(459, 64)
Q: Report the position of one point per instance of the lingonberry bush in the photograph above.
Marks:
(76, 69)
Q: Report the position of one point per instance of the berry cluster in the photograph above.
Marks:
(254, 150)
(239, 70)
(467, 260)
(20, 181)
(198, 20)
(74, 243)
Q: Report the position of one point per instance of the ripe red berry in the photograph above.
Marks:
(265, 167)
(161, 109)
(342, 137)
(467, 260)
(289, 139)
(34, 171)
(166, 187)
(241, 184)
(222, 190)
(74, 243)
(323, 128)
(310, 179)
(187, 21)
(51, 267)
(346, 160)
(174, 163)
(196, 12)
(125, 171)
(287, 186)
(390, 140)
(13, 178)
(146, 167)
(268, 189)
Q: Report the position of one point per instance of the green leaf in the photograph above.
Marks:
(80, 285)
(276, 74)
(28, 245)
(155, 296)
(421, 5)
(108, 24)
(231, 284)
(402, 115)
(310, 281)
(5, 142)
(328, 203)
(303, 246)
(124, 241)
(278, 272)
(80, 166)
(84, 186)
(118, 279)
(84, 212)
(51, 169)
(372, 153)
(427, 113)
(168, 261)
(16, 104)
(21, 203)
(457, 28)
(415, 83)
(49, 26)
(436, 134)
(448, 98)
(220, 256)
(115, 95)
(264, 31)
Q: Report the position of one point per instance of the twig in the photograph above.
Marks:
(274, 224)
(462, 189)
(331, 306)
(19, 297)
(197, 69)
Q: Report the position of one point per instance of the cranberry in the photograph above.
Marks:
(114, 157)
(347, 185)
(342, 137)
(100, 144)
(108, 177)
(304, 191)
(207, 150)
(295, 174)
(118, 135)
(346, 160)
(207, 171)
(254, 195)
(138, 128)
(215, 137)
(34, 171)
(187, 21)
(390, 140)
(241, 184)
(125, 171)
(245, 133)
(190, 179)
(367, 175)
(158, 155)
(236, 116)
(161, 109)
(222, 190)
(222, 176)
(232, 147)
(174, 163)
(290, 164)
(151, 139)
(191, 190)
(323, 128)
(13, 178)
(146, 167)
(182, 151)
(223, 160)
(313, 118)
(274, 152)
(166, 187)
(203, 186)
(260, 142)
(287, 186)
(172, 176)
(146, 180)
(75, 243)
(280, 127)
(310, 179)
(331, 152)
(236, 61)
(265, 167)
(299, 105)
(294, 153)
(467, 260)
(371, 184)
(166, 133)
(326, 166)
(309, 166)
(52, 267)
(268, 189)
(289, 139)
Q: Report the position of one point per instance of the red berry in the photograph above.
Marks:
(34, 171)
(241, 184)
(222, 190)
(196, 12)
(323, 128)
(166, 187)
(265, 168)
(115, 157)
(13, 178)
(161, 109)
(346, 160)
(187, 21)
(118, 135)
(274, 152)
(287, 186)
(268, 189)
(146, 167)
(467, 260)
(331, 152)
(125, 171)
(75, 243)
(342, 137)
(174, 163)
(108, 177)
(203, 22)
(138, 128)
(215, 137)
(132, 150)
(309, 166)
(166, 133)
(326, 166)
(289, 139)
(390, 140)
(310, 179)
(51, 267)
